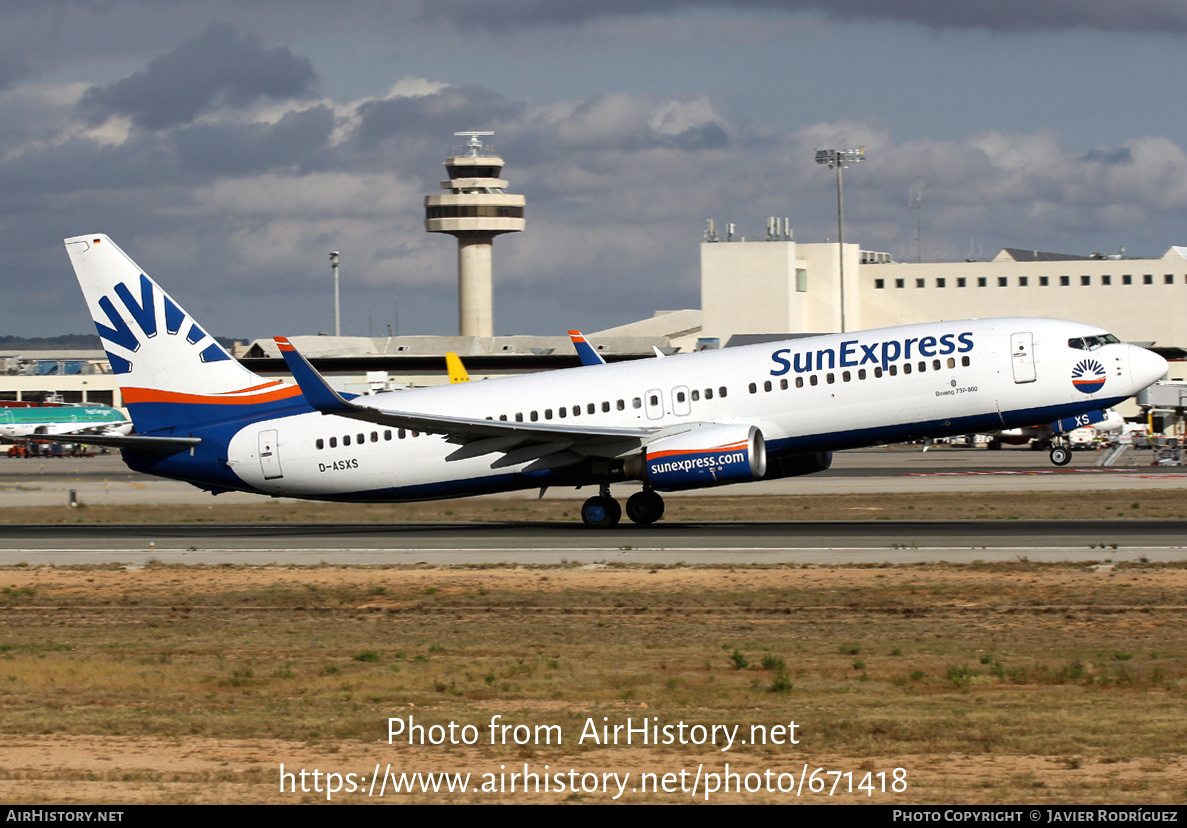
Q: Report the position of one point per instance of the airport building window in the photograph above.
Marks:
(981, 281)
(900, 283)
(1002, 281)
(961, 282)
(1168, 279)
(919, 283)
(1022, 281)
(941, 282)
(1044, 281)
(879, 284)
(1148, 279)
(1106, 279)
(1064, 281)
(1085, 280)
(1127, 279)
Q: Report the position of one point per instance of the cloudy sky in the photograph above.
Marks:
(229, 145)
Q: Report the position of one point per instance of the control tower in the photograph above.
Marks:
(474, 209)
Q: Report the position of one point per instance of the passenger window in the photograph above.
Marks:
(830, 379)
(577, 411)
(753, 388)
(799, 382)
(922, 366)
(503, 417)
(893, 370)
(861, 373)
(637, 402)
(708, 393)
(591, 408)
(387, 435)
(783, 384)
(877, 373)
(519, 416)
(845, 376)
(346, 440)
(562, 412)
(906, 368)
(362, 438)
(679, 396)
(696, 396)
(620, 405)
(654, 400)
(321, 444)
(965, 361)
(535, 415)
(333, 442)
(547, 413)
(766, 386)
(812, 380)
(951, 362)
(374, 436)
(721, 392)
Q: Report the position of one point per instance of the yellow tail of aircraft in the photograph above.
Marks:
(457, 371)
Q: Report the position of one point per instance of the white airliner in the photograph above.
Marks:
(680, 422)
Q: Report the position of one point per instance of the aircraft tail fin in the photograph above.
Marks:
(173, 375)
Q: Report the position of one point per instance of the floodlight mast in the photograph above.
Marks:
(337, 306)
(839, 159)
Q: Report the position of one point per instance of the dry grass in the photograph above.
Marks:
(1017, 683)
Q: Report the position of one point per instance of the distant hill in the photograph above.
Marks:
(68, 342)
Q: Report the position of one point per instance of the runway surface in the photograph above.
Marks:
(553, 543)
(944, 472)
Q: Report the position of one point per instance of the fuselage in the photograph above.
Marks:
(58, 419)
(815, 394)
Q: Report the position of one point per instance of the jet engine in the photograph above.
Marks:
(707, 456)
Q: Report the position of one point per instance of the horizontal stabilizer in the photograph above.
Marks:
(135, 442)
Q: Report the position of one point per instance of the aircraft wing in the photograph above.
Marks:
(586, 352)
(516, 441)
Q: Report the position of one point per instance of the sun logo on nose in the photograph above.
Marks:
(1088, 376)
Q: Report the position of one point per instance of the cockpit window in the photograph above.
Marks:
(1091, 343)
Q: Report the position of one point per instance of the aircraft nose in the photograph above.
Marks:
(1147, 367)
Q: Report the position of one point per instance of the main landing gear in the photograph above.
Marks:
(603, 511)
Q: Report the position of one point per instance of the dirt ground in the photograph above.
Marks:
(991, 684)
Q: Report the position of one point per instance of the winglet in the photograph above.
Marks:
(314, 387)
(457, 371)
(585, 351)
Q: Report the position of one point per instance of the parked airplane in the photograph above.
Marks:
(61, 419)
(682, 422)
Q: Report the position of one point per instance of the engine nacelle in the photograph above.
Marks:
(708, 456)
(797, 464)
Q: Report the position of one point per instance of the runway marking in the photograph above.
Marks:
(590, 549)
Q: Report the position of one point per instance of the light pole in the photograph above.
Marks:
(840, 159)
(337, 316)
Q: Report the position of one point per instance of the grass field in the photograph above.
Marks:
(985, 683)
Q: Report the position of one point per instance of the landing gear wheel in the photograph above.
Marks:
(601, 512)
(645, 508)
(1061, 455)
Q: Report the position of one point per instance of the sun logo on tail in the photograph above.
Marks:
(144, 313)
(1088, 376)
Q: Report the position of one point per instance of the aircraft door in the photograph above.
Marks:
(270, 455)
(654, 403)
(681, 406)
(1022, 357)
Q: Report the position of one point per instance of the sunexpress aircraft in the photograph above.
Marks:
(679, 422)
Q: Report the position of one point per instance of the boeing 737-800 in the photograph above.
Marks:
(681, 422)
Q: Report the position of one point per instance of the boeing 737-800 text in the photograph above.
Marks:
(677, 422)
